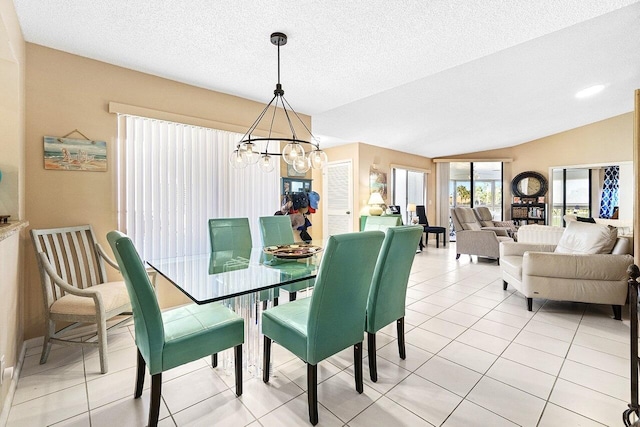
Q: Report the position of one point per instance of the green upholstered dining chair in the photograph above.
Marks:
(232, 234)
(276, 230)
(333, 318)
(388, 291)
(173, 337)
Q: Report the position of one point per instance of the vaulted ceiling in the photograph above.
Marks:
(434, 78)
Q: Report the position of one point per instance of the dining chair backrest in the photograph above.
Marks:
(422, 215)
(276, 230)
(227, 234)
(147, 317)
(386, 302)
(337, 309)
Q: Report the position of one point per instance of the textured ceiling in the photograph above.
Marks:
(434, 78)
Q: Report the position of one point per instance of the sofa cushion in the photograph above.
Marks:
(587, 238)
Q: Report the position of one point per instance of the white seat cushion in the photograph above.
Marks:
(114, 295)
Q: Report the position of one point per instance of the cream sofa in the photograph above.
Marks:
(588, 264)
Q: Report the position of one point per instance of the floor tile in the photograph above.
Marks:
(440, 300)
(605, 345)
(261, 398)
(596, 379)
(425, 399)
(474, 310)
(426, 340)
(486, 342)
(468, 414)
(554, 416)
(451, 376)
(113, 386)
(522, 377)
(506, 319)
(202, 384)
(415, 318)
(130, 412)
(415, 356)
(459, 318)
(385, 412)
(543, 343)
(470, 357)
(295, 413)
(339, 395)
(533, 358)
(475, 299)
(223, 409)
(50, 409)
(515, 405)
(591, 404)
(49, 381)
(550, 330)
(426, 308)
(443, 327)
(496, 329)
(82, 420)
(296, 371)
(597, 359)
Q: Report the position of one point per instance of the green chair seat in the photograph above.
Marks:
(333, 318)
(387, 296)
(175, 337)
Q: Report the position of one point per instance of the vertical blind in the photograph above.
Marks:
(175, 177)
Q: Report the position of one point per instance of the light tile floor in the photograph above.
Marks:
(475, 357)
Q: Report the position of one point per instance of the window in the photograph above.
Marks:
(175, 177)
(409, 186)
(474, 184)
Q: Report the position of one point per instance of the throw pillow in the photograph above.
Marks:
(587, 238)
(584, 219)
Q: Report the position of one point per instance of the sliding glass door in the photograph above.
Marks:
(409, 187)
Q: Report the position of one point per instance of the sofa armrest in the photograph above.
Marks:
(518, 249)
(499, 231)
(576, 266)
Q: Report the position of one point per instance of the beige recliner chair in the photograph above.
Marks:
(474, 239)
(589, 264)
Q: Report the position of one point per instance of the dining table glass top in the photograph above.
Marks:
(220, 275)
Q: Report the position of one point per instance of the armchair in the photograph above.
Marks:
(485, 217)
(75, 287)
(578, 269)
(474, 239)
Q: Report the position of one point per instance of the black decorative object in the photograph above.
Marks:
(529, 184)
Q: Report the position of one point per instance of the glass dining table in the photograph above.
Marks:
(240, 279)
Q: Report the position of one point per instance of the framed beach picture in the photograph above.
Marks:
(378, 183)
(71, 154)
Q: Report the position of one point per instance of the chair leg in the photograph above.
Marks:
(357, 366)
(154, 406)
(139, 376)
(530, 304)
(312, 392)
(401, 347)
(457, 256)
(275, 302)
(292, 296)
(214, 360)
(102, 346)
(237, 352)
(504, 285)
(266, 359)
(437, 240)
(371, 351)
(264, 305)
(617, 312)
(46, 346)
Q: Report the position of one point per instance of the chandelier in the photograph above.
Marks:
(301, 154)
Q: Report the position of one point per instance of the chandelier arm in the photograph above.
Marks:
(257, 121)
(300, 120)
(273, 118)
(286, 114)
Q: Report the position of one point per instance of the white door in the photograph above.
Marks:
(338, 198)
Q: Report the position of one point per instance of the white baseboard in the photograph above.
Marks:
(8, 400)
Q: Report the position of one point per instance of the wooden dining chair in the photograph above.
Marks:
(276, 230)
(387, 296)
(333, 318)
(75, 288)
(174, 337)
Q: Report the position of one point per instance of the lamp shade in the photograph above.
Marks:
(411, 207)
(375, 199)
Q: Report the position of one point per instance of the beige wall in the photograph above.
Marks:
(363, 157)
(66, 92)
(12, 66)
(606, 141)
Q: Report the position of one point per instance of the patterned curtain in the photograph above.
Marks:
(610, 191)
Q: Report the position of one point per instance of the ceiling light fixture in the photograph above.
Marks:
(248, 152)
(590, 91)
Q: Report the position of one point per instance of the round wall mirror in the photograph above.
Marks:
(529, 184)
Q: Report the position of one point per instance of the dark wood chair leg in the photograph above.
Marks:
(154, 406)
(214, 360)
(437, 241)
(371, 351)
(312, 392)
(504, 285)
(401, 347)
(457, 256)
(293, 296)
(357, 366)
(530, 304)
(617, 312)
(275, 302)
(237, 353)
(264, 305)
(266, 359)
(139, 376)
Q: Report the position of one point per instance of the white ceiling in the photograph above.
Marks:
(434, 78)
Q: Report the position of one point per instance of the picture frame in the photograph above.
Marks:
(294, 185)
(516, 199)
(541, 199)
(378, 182)
(70, 154)
(292, 172)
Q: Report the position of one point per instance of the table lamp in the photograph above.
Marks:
(411, 208)
(375, 204)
